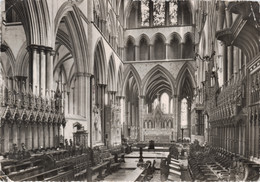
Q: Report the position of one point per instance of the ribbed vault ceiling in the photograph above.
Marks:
(158, 84)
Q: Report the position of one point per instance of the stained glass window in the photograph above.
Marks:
(159, 12)
(145, 12)
(173, 12)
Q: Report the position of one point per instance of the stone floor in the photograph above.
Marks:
(125, 173)
(126, 169)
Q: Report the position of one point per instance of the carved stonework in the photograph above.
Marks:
(115, 124)
(96, 126)
(158, 126)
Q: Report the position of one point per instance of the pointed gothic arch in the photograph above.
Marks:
(120, 80)
(187, 71)
(130, 70)
(100, 63)
(111, 82)
(76, 33)
(163, 71)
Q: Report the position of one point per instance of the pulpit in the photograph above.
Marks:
(80, 137)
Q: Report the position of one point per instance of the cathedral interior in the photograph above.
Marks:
(129, 90)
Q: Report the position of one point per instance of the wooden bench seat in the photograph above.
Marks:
(134, 175)
(63, 176)
(16, 176)
(47, 174)
(20, 166)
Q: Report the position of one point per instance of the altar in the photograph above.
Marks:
(159, 127)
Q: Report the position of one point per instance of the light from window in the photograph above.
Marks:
(173, 12)
(159, 12)
(145, 12)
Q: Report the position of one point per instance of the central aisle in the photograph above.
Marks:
(129, 168)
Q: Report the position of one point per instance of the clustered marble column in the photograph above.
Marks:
(41, 60)
(141, 115)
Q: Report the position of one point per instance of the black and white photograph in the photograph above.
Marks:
(130, 90)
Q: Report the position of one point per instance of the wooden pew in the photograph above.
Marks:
(101, 159)
(50, 174)
(135, 175)
(20, 166)
(16, 176)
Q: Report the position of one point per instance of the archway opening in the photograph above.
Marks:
(159, 48)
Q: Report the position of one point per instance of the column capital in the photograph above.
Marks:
(102, 85)
(122, 97)
(48, 49)
(41, 48)
(20, 78)
(53, 52)
(141, 96)
(32, 47)
(119, 97)
(79, 74)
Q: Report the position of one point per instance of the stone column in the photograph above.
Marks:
(32, 67)
(55, 135)
(49, 62)
(137, 53)
(11, 140)
(40, 135)
(236, 61)
(76, 97)
(141, 107)
(80, 93)
(2, 138)
(72, 101)
(68, 103)
(35, 136)
(133, 114)
(15, 134)
(28, 136)
(225, 65)
(35, 63)
(167, 49)
(58, 131)
(51, 134)
(42, 71)
(176, 121)
(230, 61)
(123, 116)
(6, 137)
(151, 55)
(182, 56)
(21, 135)
(32, 133)
(88, 106)
(102, 88)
